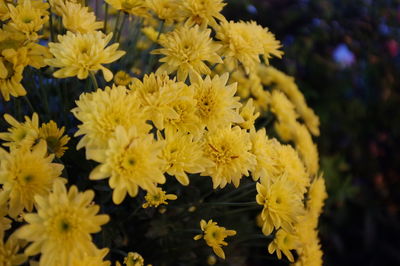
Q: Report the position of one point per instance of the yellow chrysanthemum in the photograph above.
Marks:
(102, 111)
(5, 223)
(229, 149)
(134, 259)
(78, 54)
(271, 76)
(27, 18)
(183, 154)
(283, 243)
(77, 18)
(282, 205)
(201, 12)
(157, 197)
(214, 236)
(31, 54)
(121, 78)
(9, 255)
(10, 80)
(133, 7)
(21, 134)
(4, 12)
(216, 104)
(245, 42)
(27, 173)
(306, 147)
(56, 142)
(61, 228)
(166, 10)
(131, 161)
(186, 50)
(316, 196)
(249, 115)
(155, 94)
(96, 259)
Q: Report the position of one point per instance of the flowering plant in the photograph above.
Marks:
(185, 102)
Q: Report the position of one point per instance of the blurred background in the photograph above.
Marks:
(344, 55)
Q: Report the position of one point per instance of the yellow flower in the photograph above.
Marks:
(54, 138)
(78, 54)
(5, 223)
(134, 7)
(155, 94)
(216, 104)
(134, 259)
(229, 149)
(263, 148)
(57, 6)
(186, 49)
(27, 18)
(77, 18)
(165, 9)
(316, 196)
(21, 134)
(214, 236)
(201, 12)
(157, 197)
(132, 161)
(183, 154)
(101, 112)
(272, 76)
(249, 115)
(282, 205)
(61, 228)
(283, 243)
(4, 12)
(31, 54)
(96, 259)
(9, 252)
(10, 80)
(245, 42)
(27, 173)
(306, 148)
(122, 78)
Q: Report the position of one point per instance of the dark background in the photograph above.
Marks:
(344, 54)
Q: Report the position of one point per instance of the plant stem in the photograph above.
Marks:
(51, 26)
(29, 103)
(115, 32)
(94, 81)
(105, 17)
(121, 27)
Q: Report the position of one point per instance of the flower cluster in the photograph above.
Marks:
(191, 98)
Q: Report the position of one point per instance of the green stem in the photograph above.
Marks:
(121, 27)
(105, 18)
(29, 103)
(94, 81)
(116, 24)
(51, 26)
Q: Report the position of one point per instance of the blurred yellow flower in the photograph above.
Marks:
(157, 197)
(186, 49)
(54, 138)
(214, 236)
(167, 10)
(27, 173)
(10, 80)
(78, 54)
(21, 134)
(122, 78)
(283, 243)
(77, 18)
(9, 251)
(201, 12)
(133, 7)
(95, 259)
(134, 259)
(61, 228)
